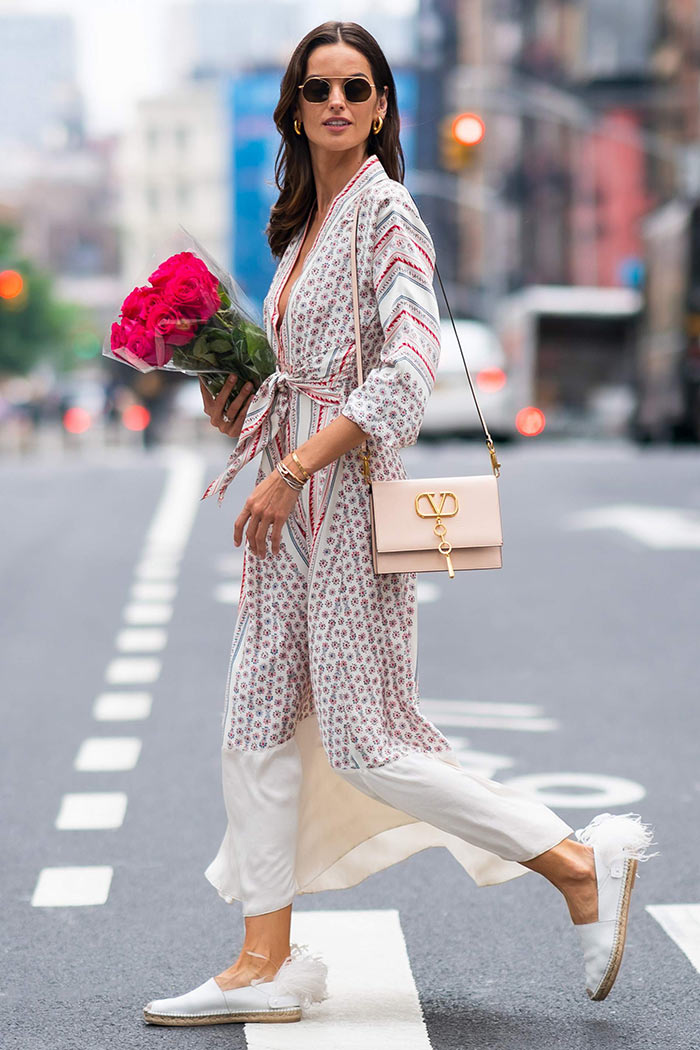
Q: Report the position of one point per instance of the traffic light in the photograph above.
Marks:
(13, 290)
(460, 135)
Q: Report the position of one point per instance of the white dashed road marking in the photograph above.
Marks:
(121, 707)
(141, 640)
(156, 569)
(426, 591)
(153, 591)
(228, 592)
(133, 670)
(68, 887)
(150, 605)
(100, 809)
(97, 754)
(148, 613)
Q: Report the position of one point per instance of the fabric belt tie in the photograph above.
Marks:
(266, 413)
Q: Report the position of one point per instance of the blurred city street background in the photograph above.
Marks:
(553, 147)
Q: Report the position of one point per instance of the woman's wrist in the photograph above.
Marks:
(294, 464)
(293, 471)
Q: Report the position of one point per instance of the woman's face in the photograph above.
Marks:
(339, 60)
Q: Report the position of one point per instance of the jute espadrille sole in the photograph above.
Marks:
(287, 1014)
(610, 974)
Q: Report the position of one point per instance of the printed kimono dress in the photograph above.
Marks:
(323, 648)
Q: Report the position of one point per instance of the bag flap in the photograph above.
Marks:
(398, 526)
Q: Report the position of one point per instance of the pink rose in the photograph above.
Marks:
(138, 303)
(137, 341)
(192, 296)
(168, 323)
(176, 265)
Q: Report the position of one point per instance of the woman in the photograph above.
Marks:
(330, 771)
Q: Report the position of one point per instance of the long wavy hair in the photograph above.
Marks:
(293, 170)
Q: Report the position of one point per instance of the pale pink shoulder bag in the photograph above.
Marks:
(431, 524)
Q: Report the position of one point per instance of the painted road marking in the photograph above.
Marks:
(148, 613)
(151, 595)
(228, 593)
(427, 591)
(153, 591)
(662, 528)
(373, 1000)
(682, 923)
(99, 809)
(569, 789)
(230, 564)
(156, 569)
(132, 670)
(485, 707)
(71, 887)
(107, 753)
(121, 707)
(466, 715)
(141, 640)
(172, 523)
(482, 763)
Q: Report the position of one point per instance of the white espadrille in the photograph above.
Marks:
(300, 981)
(619, 843)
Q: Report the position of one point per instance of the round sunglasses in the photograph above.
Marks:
(317, 89)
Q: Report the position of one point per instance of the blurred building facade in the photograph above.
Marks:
(174, 168)
(44, 108)
(57, 186)
(591, 112)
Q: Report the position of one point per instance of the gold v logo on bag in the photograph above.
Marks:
(436, 512)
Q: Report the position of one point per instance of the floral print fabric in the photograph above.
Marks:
(317, 630)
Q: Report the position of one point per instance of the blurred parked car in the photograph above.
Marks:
(451, 409)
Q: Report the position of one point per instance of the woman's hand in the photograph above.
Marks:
(270, 503)
(231, 423)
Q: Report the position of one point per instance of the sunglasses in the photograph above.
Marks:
(317, 89)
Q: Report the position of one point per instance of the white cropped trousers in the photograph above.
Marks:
(261, 792)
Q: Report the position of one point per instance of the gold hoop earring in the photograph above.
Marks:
(376, 129)
(297, 126)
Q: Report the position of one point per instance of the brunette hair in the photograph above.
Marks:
(293, 170)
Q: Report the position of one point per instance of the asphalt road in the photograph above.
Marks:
(590, 630)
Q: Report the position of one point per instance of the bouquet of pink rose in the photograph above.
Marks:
(194, 318)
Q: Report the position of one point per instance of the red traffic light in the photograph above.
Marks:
(468, 129)
(11, 284)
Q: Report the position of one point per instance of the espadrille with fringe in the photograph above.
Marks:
(300, 981)
(619, 843)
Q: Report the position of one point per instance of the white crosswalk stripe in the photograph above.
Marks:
(682, 923)
(373, 1001)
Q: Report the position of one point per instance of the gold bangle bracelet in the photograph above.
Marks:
(303, 470)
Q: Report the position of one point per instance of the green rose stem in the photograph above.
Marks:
(227, 343)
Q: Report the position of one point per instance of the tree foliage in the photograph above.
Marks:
(34, 325)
